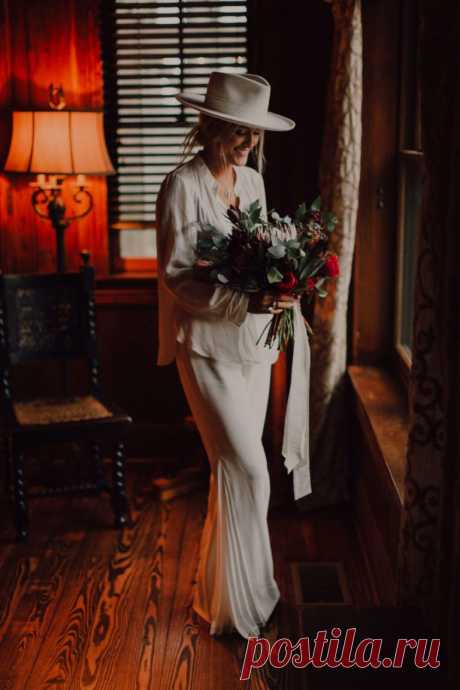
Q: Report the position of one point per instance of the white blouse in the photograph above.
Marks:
(213, 320)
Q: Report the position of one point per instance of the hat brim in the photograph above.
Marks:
(270, 121)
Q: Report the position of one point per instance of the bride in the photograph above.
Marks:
(211, 332)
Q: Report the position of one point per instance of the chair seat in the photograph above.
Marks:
(46, 411)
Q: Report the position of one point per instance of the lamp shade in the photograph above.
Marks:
(59, 143)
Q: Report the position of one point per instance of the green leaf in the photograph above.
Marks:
(300, 213)
(330, 220)
(254, 207)
(219, 240)
(278, 251)
(306, 269)
(320, 292)
(274, 276)
(254, 212)
(316, 205)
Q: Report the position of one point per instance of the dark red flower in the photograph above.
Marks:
(310, 284)
(288, 283)
(331, 266)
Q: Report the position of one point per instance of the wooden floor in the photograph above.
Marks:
(83, 606)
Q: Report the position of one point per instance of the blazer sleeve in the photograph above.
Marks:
(176, 237)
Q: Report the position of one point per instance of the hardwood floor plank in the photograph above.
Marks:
(111, 628)
(63, 647)
(15, 573)
(178, 568)
(183, 631)
(150, 611)
(160, 598)
(36, 603)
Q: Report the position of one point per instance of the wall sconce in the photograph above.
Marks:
(54, 144)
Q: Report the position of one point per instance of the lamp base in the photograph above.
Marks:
(56, 214)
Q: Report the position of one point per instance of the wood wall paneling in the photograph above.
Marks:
(48, 42)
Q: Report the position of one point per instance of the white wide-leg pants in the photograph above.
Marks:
(235, 587)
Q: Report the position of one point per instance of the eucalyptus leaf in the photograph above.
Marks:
(277, 251)
(222, 278)
(316, 204)
(301, 212)
(254, 206)
(320, 292)
(273, 275)
(219, 240)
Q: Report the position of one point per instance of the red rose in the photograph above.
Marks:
(331, 266)
(311, 284)
(288, 283)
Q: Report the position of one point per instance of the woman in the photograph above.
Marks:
(212, 331)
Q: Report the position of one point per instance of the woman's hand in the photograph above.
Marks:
(267, 303)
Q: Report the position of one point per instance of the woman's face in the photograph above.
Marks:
(240, 144)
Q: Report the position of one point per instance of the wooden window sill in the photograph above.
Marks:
(126, 277)
(384, 418)
(135, 289)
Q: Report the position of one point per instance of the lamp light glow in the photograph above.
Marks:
(58, 142)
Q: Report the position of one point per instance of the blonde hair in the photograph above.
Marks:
(211, 130)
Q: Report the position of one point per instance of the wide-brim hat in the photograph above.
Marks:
(238, 98)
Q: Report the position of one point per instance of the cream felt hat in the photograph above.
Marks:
(239, 98)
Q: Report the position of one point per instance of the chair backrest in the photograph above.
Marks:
(48, 317)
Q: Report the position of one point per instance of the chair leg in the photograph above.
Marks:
(5, 452)
(98, 466)
(119, 498)
(20, 497)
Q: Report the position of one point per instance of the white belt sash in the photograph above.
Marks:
(296, 450)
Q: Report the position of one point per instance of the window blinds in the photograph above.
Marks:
(152, 50)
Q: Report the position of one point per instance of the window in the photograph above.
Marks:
(151, 51)
(410, 179)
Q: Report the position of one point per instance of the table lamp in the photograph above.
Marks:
(55, 143)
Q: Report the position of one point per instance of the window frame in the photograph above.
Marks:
(406, 156)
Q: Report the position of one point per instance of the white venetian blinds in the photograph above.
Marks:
(152, 50)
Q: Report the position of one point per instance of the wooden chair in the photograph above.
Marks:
(52, 317)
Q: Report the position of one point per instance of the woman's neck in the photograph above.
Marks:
(224, 175)
(223, 172)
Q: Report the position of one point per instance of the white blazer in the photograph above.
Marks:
(212, 320)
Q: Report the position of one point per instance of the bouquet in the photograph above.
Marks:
(279, 255)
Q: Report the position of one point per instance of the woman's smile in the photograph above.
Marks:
(245, 140)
